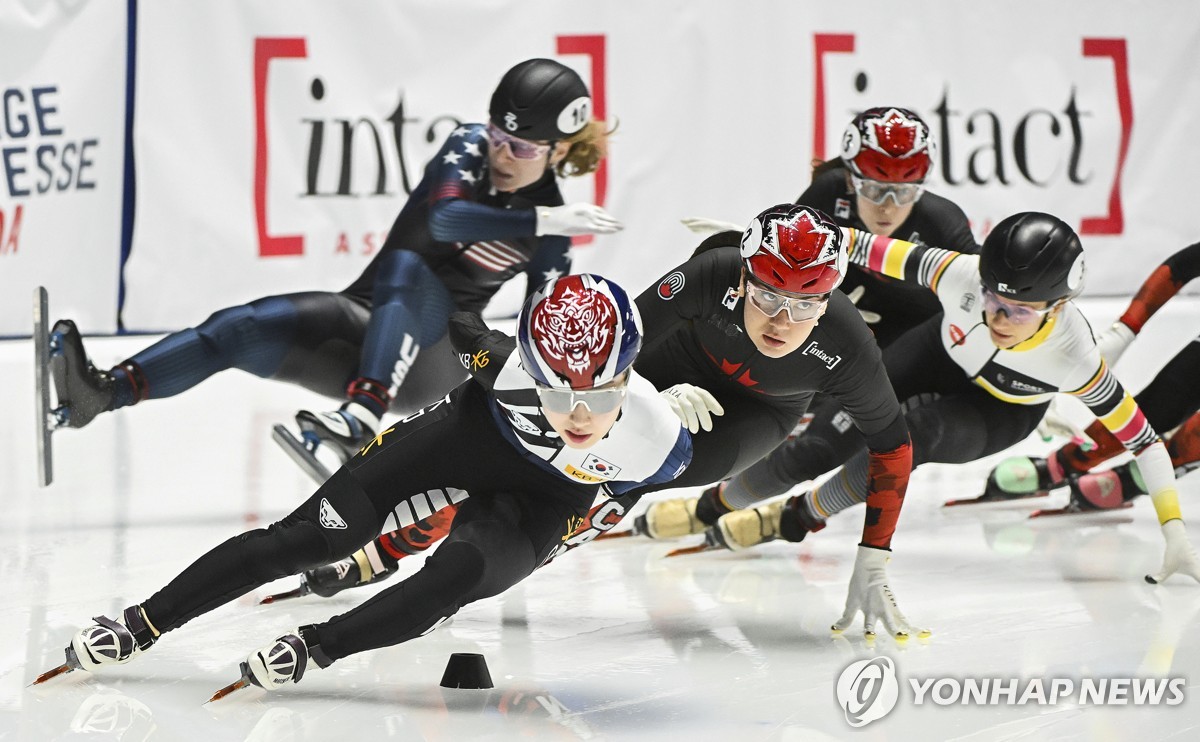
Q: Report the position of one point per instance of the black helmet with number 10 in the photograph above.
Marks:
(541, 99)
(1032, 257)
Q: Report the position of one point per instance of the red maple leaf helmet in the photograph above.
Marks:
(892, 145)
(796, 249)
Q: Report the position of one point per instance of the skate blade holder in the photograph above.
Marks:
(46, 345)
(242, 682)
(72, 664)
(57, 417)
(302, 452)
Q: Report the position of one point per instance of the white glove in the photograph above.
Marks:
(1058, 422)
(574, 219)
(693, 406)
(868, 316)
(869, 593)
(1180, 556)
(1113, 342)
(700, 225)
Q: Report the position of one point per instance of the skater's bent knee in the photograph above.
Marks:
(400, 270)
(460, 566)
(805, 458)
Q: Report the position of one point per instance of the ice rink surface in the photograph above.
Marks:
(611, 642)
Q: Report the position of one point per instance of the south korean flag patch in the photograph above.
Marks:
(597, 466)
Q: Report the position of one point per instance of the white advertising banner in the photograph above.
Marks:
(62, 118)
(276, 140)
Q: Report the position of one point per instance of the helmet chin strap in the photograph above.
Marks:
(550, 155)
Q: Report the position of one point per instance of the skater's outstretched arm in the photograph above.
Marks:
(1166, 281)
(906, 261)
(1119, 412)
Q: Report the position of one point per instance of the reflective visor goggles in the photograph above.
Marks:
(877, 191)
(1017, 313)
(522, 149)
(595, 401)
(770, 303)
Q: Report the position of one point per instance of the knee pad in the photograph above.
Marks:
(808, 457)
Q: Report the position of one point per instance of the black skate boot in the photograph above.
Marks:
(374, 562)
(344, 432)
(1016, 478)
(356, 570)
(1020, 476)
(1106, 490)
(83, 391)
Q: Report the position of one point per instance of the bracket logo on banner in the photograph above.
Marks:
(1068, 147)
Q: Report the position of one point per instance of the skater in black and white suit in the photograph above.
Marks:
(523, 447)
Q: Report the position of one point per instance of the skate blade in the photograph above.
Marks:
(620, 534)
(985, 499)
(236, 685)
(1048, 512)
(50, 674)
(693, 550)
(300, 453)
(299, 592)
(45, 413)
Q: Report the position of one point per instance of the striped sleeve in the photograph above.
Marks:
(1116, 409)
(907, 261)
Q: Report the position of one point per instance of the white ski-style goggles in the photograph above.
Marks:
(596, 401)
(878, 191)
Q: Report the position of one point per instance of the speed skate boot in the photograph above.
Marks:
(83, 391)
(374, 562)
(1022, 476)
(669, 518)
(344, 431)
(108, 642)
(377, 560)
(681, 516)
(363, 567)
(790, 519)
(1106, 490)
(284, 660)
